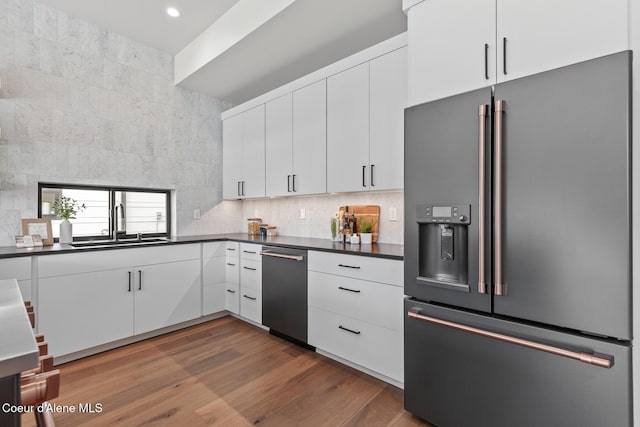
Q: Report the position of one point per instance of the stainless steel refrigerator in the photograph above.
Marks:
(518, 251)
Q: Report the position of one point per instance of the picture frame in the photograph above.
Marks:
(41, 226)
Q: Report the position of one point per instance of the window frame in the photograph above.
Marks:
(111, 189)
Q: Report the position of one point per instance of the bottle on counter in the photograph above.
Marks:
(346, 230)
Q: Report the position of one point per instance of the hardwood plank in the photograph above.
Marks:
(224, 372)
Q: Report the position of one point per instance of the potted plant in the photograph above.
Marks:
(66, 208)
(366, 228)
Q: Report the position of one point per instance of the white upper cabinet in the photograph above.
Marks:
(547, 34)
(253, 168)
(348, 130)
(296, 142)
(232, 157)
(279, 145)
(310, 139)
(365, 125)
(460, 45)
(388, 99)
(244, 154)
(451, 47)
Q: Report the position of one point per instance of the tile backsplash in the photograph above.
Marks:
(285, 213)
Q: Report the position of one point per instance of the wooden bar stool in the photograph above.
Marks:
(41, 384)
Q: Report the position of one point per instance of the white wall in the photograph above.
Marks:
(80, 104)
(285, 213)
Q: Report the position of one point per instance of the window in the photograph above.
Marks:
(109, 210)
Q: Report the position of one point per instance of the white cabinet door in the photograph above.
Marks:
(452, 47)
(388, 92)
(19, 269)
(253, 167)
(80, 311)
(166, 294)
(348, 130)
(548, 34)
(232, 157)
(213, 277)
(278, 146)
(232, 277)
(310, 139)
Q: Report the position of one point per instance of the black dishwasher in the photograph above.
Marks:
(284, 292)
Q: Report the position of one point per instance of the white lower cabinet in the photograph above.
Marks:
(358, 320)
(251, 282)
(213, 277)
(232, 277)
(19, 269)
(93, 298)
(81, 311)
(251, 305)
(373, 347)
(166, 294)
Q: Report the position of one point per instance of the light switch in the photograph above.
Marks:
(393, 214)
(303, 213)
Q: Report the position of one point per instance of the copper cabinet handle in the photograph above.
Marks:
(277, 255)
(482, 181)
(497, 194)
(597, 359)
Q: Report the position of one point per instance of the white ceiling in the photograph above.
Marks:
(146, 21)
(302, 38)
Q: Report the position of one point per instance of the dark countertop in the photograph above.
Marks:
(380, 250)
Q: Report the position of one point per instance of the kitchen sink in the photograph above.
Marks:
(119, 242)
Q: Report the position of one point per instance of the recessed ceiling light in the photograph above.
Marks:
(173, 12)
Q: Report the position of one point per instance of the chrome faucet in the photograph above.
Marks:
(116, 227)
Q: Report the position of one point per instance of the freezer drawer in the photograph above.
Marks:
(456, 377)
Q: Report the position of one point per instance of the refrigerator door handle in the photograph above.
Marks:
(596, 359)
(482, 179)
(497, 194)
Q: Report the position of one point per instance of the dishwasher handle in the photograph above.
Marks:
(284, 256)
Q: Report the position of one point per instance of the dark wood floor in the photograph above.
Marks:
(227, 373)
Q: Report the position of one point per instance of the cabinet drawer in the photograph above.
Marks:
(213, 270)
(371, 302)
(359, 267)
(15, 268)
(232, 267)
(251, 274)
(232, 248)
(232, 295)
(250, 251)
(213, 249)
(373, 347)
(251, 305)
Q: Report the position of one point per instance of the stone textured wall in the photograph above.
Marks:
(81, 104)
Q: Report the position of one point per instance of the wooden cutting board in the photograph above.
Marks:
(368, 212)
